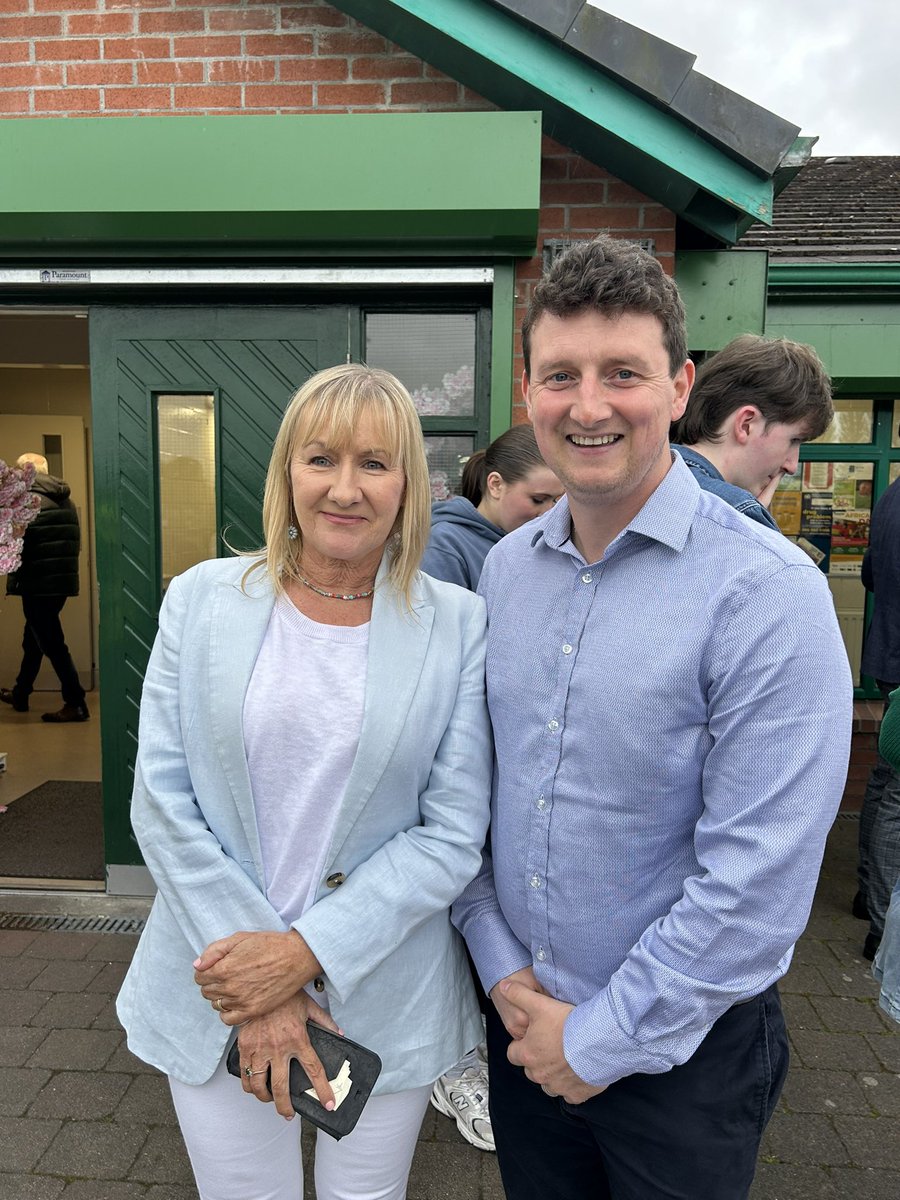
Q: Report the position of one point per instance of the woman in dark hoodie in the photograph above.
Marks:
(502, 488)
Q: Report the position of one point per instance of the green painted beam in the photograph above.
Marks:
(835, 278)
(724, 293)
(512, 65)
(410, 182)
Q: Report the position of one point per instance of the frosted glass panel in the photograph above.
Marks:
(433, 354)
(187, 482)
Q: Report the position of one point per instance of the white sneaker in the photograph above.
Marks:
(463, 1095)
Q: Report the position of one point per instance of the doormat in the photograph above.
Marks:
(55, 831)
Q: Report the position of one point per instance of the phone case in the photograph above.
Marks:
(340, 1057)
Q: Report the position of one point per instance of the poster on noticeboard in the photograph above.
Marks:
(826, 510)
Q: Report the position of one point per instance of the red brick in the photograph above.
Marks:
(241, 70)
(64, 5)
(620, 193)
(428, 91)
(580, 168)
(552, 218)
(235, 20)
(664, 240)
(604, 217)
(13, 102)
(14, 51)
(99, 24)
(154, 99)
(167, 71)
(311, 18)
(554, 168)
(60, 50)
(278, 45)
(99, 74)
(346, 95)
(654, 216)
(67, 100)
(549, 148)
(30, 27)
(352, 41)
(206, 47)
(135, 48)
(583, 191)
(387, 66)
(475, 99)
(313, 69)
(31, 76)
(13, 6)
(171, 22)
(295, 95)
(217, 95)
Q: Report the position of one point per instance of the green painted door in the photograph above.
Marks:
(154, 372)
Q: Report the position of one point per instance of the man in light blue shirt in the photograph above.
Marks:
(671, 704)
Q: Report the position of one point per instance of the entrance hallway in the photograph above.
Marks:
(37, 752)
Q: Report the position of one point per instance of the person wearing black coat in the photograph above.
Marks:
(45, 580)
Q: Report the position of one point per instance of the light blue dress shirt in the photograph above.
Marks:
(672, 728)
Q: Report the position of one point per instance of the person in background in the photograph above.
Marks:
(751, 407)
(879, 822)
(47, 577)
(502, 488)
(671, 705)
(311, 793)
(886, 967)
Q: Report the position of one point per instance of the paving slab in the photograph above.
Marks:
(872, 1142)
(30, 1187)
(18, 1087)
(826, 1092)
(85, 1095)
(76, 1049)
(804, 1138)
(97, 1149)
(24, 1140)
(70, 1010)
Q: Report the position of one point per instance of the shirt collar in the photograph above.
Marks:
(665, 518)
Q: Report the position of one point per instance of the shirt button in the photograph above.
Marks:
(567, 649)
(541, 803)
(319, 984)
(535, 881)
(335, 880)
(587, 577)
(553, 725)
(540, 954)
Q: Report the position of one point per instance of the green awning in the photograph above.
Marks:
(397, 183)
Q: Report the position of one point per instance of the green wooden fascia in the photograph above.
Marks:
(399, 183)
(514, 66)
(834, 279)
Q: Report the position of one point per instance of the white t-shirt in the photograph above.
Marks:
(302, 718)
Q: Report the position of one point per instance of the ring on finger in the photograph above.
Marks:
(248, 1071)
(218, 1005)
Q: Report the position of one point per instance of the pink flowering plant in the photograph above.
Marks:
(18, 508)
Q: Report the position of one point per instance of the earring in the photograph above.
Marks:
(293, 532)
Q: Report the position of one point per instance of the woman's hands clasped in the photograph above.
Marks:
(270, 1042)
(247, 975)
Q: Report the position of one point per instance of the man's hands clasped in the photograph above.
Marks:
(535, 1022)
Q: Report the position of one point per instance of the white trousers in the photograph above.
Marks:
(241, 1149)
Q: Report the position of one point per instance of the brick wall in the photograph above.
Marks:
(137, 57)
(863, 751)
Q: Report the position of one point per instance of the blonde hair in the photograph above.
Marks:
(329, 408)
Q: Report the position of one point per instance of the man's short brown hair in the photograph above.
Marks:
(785, 380)
(612, 277)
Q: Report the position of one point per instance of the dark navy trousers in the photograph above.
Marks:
(691, 1133)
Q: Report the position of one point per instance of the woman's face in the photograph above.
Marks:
(346, 500)
(516, 503)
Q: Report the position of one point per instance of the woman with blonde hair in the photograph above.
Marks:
(311, 794)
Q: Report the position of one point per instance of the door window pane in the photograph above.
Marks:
(187, 482)
(433, 354)
(853, 422)
(446, 459)
(826, 508)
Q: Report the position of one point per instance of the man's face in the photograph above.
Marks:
(601, 399)
(769, 451)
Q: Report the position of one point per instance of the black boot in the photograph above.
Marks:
(68, 712)
(859, 908)
(9, 697)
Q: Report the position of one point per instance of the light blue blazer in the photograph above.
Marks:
(408, 837)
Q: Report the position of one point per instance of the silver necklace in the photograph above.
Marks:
(334, 595)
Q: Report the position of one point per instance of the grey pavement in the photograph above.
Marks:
(81, 1118)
